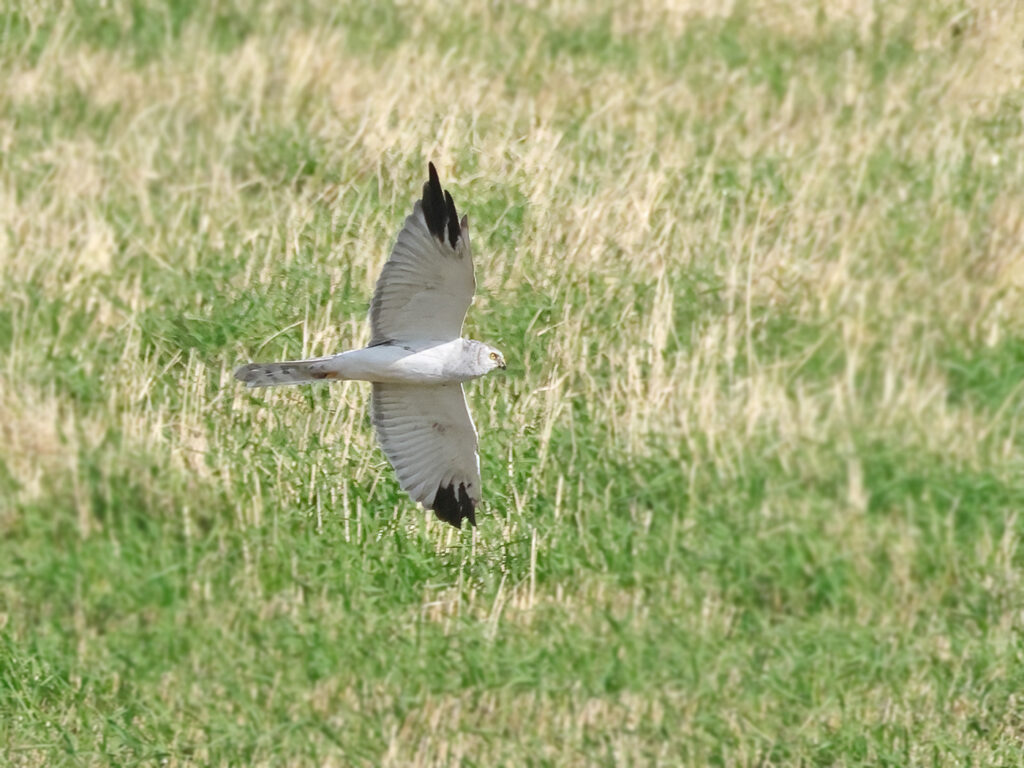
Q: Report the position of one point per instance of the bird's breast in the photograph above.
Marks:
(395, 363)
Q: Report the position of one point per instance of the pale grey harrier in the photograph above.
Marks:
(417, 360)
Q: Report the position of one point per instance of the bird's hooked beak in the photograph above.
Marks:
(501, 363)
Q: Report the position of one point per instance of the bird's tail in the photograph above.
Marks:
(289, 372)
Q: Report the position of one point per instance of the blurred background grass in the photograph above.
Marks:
(753, 479)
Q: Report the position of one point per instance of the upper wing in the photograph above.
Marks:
(428, 436)
(427, 284)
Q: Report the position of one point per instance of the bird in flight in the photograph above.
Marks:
(417, 360)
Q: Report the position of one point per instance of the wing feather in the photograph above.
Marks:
(429, 438)
(427, 284)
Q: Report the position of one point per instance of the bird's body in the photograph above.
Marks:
(417, 360)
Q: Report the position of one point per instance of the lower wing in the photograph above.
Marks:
(429, 438)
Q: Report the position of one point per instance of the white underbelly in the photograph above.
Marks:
(393, 365)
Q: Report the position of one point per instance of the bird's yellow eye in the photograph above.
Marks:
(494, 355)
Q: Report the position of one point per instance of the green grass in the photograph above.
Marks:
(754, 478)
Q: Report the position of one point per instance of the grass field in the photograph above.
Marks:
(754, 481)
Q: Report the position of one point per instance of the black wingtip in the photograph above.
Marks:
(453, 219)
(453, 509)
(433, 205)
(439, 210)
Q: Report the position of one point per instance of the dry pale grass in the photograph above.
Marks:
(706, 270)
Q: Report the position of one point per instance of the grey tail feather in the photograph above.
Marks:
(286, 373)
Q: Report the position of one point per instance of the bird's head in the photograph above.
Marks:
(489, 358)
(496, 359)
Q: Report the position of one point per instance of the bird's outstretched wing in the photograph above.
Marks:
(428, 436)
(427, 284)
